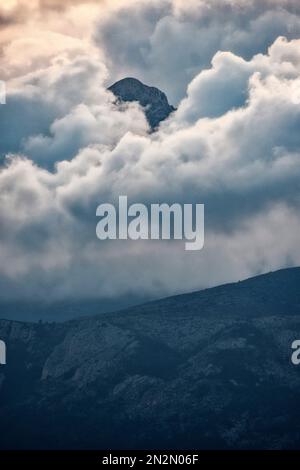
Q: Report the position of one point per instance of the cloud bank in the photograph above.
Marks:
(173, 40)
(233, 144)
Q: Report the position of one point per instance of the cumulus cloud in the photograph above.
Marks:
(233, 144)
(174, 40)
(53, 113)
(240, 157)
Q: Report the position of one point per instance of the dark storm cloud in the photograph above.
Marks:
(171, 45)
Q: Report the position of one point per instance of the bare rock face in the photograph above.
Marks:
(153, 100)
(211, 369)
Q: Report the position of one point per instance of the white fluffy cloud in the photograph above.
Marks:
(233, 144)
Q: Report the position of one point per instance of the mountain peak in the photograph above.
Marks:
(155, 102)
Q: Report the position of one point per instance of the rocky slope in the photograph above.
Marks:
(209, 369)
(153, 100)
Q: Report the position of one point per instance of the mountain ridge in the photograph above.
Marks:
(209, 369)
(76, 308)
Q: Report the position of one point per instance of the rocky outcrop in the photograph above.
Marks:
(154, 101)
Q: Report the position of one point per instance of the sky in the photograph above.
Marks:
(231, 68)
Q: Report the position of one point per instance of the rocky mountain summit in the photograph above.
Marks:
(210, 369)
(154, 101)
